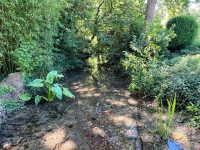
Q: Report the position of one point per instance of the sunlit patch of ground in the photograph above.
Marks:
(132, 102)
(99, 131)
(115, 102)
(51, 139)
(97, 94)
(120, 120)
(68, 145)
(85, 90)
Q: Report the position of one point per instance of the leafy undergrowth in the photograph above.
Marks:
(100, 118)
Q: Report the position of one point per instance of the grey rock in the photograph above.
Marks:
(14, 80)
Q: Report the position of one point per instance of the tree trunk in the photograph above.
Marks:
(150, 9)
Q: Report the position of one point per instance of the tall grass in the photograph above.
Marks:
(163, 127)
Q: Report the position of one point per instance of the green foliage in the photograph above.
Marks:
(181, 75)
(11, 105)
(52, 89)
(175, 8)
(159, 81)
(163, 128)
(194, 113)
(68, 53)
(117, 27)
(136, 27)
(73, 31)
(22, 21)
(25, 97)
(142, 63)
(4, 89)
(185, 28)
(32, 59)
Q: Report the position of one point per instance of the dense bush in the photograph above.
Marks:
(26, 21)
(116, 30)
(160, 81)
(71, 41)
(142, 63)
(68, 50)
(185, 28)
(182, 77)
(32, 59)
(179, 75)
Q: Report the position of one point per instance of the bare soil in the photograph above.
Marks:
(101, 117)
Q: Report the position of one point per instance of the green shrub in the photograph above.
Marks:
(194, 111)
(160, 81)
(142, 63)
(21, 21)
(185, 28)
(68, 51)
(182, 76)
(32, 59)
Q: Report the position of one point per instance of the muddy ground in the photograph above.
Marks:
(103, 116)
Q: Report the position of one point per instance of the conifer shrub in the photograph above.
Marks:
(185, 28)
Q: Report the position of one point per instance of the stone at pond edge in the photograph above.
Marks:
(15, 81)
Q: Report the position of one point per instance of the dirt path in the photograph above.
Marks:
(103, 116)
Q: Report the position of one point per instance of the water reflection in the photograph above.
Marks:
(97, 76)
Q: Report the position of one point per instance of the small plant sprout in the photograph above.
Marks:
(52, 89)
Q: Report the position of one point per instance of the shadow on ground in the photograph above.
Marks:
(101, 117)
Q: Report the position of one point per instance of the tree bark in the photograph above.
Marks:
(149, 15)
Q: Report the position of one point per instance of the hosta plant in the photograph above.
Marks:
(52, 89)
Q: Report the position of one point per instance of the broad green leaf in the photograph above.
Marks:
(57, 90)
(36, 83)
(25, 97)
(37, 99)
(50, 77)
(67, 93)
(59, 76)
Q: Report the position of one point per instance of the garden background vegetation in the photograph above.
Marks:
(38, 36)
